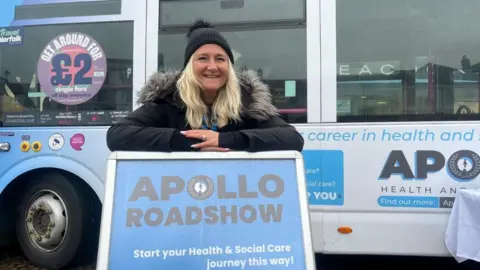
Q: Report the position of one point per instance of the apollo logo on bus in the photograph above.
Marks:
(461, 166)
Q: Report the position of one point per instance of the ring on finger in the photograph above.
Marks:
(204, 138)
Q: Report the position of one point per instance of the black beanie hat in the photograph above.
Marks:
(201, 33)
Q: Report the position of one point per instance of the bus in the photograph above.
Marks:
(385, 93)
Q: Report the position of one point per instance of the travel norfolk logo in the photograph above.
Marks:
(11, 35)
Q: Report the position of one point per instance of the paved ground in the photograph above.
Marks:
(385, 263)
(11, 259)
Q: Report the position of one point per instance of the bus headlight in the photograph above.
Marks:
(4, 146)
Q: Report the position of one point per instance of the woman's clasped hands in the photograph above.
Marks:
(209, 140)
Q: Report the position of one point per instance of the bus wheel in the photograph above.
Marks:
(52, 221)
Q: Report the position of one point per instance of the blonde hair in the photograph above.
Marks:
(227, 104)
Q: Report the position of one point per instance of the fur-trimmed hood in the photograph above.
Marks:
(256, 96)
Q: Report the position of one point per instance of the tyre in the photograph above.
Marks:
(55, 222)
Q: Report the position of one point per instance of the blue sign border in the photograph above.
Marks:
(107, 212)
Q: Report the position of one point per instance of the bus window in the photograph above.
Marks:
(275, 49)
(230, 11)
(37, 89)
(34, 9)
(407, 60)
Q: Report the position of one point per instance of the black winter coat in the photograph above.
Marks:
(156, 125)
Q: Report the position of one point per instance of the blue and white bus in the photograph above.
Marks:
(360, 79)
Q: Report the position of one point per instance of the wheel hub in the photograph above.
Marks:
(46, 220)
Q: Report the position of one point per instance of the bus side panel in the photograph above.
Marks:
(376, 233)
(82, 152)
(393, 184)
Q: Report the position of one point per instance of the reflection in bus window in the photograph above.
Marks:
(25, 99)
(277, 53)
(35, 9)
(407, 60)
(230, 12)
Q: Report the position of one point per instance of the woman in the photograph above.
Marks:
(205, 107)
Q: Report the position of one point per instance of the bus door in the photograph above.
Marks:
(68, 70)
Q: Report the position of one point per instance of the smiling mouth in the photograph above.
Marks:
(211, 77)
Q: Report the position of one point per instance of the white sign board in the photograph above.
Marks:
(205, 211)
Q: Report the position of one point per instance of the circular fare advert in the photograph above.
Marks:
(72, 68)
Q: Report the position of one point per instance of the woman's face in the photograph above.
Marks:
(210, 65)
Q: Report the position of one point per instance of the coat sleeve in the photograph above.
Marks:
(273, 134)
(145, 129)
